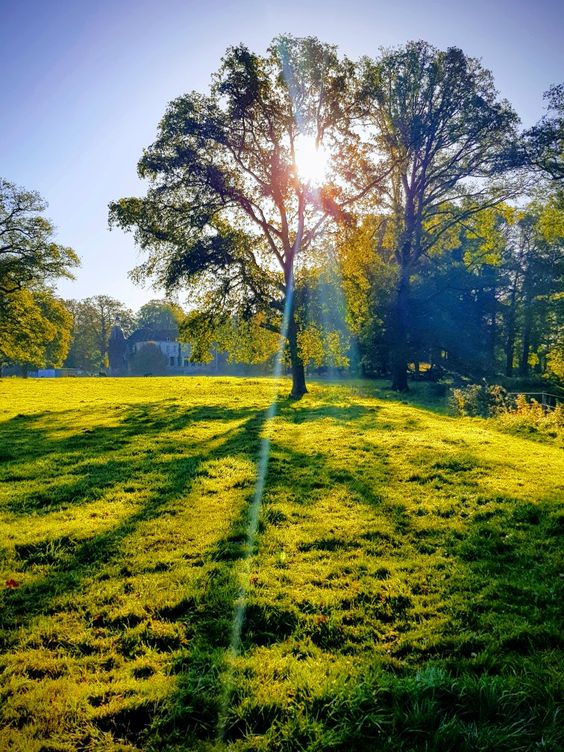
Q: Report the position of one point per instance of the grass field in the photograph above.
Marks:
(403, 592)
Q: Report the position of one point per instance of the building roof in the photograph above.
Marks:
(116, 332)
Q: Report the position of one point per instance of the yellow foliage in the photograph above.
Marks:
(35, 329)
(318, 348)
(551, 221)
(310, 345)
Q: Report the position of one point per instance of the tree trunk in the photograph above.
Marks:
(510, 325)
(509, 347)
(509, 352)
(492, 339)
(527, 328)
(526, 345)
(400, 350)
(298, 371)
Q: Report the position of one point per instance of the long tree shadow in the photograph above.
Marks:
(83, 557)
(194, 713)
(100, 457)
(72, 562)
(486, 563)
(496, 610)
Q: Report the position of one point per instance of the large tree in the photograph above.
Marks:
(93, 321)
(28, 254)
(34, 324)
(160, 314)
(544, 142)
(437, 120)
(35, 330)
(234, 206)
(539, 282)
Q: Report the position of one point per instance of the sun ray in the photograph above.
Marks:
(312, 160)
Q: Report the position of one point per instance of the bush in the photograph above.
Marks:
(471, 400)
(512, 412)
(148, 360)
(531, 417)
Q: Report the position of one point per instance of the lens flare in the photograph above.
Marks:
(252, 529)
(312, 160)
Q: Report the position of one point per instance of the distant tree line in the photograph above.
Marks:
(95, 317)
(488, 304)
(82, 332)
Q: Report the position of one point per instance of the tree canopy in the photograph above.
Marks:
(93, 320)
(160, 314)
(544, 142)
(35, 330)
(445, 135)
(28, 254)
(231, 210)
(34, 324)
(418, 137)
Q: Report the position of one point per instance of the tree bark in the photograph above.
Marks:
(510, 326)
(526, 345)
(400, 349)
(527, 328)
(510, 345)
(492, 338)
(298, 371)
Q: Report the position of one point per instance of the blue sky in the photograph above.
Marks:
(85, 84)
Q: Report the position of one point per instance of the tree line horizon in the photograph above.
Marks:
(435, 234)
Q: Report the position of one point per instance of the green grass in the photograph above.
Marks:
(404, 591)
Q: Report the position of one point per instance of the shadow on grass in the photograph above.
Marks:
(467, 687)
(101, 457)
(498, 583)
(72, 560)
(428, 396)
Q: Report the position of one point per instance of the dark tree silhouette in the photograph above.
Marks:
(437, 119)
(228, 212)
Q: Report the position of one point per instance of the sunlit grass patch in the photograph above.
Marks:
(403, 593)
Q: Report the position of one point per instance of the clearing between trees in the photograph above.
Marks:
(403, 590)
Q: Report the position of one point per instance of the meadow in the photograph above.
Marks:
(403, 591)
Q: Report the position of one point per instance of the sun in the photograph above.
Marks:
(312, 161)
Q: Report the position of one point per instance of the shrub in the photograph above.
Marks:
(471, 400)
(512, 412)
(531, 417)
(148, 360)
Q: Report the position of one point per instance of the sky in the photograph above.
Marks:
(85, 83)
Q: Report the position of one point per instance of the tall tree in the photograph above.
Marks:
(437, 119)
(453, 305)
(237, 198)
(365, 263)
(160, 314)
(35, 330)
(107, 312)
(544, 142)
(34, 324)
(542, 290)
(28, 254)
(93, 321)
